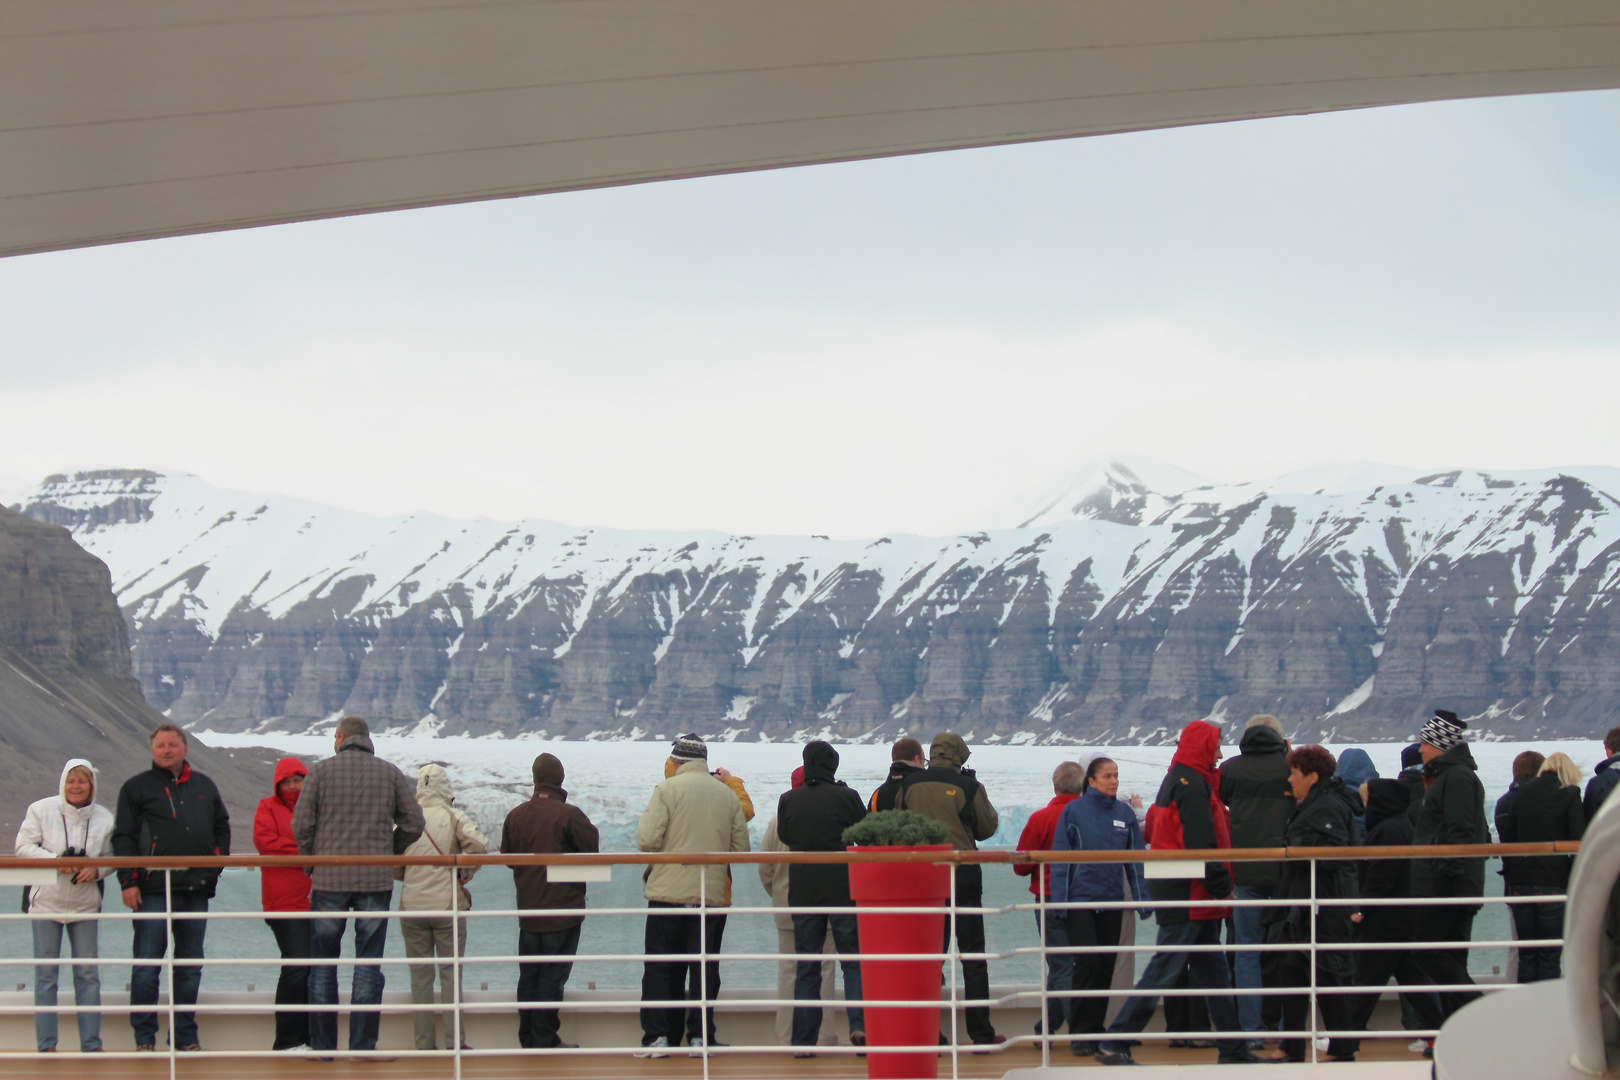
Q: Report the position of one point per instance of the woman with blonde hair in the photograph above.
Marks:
(68, 823)
(1547, 808)
(1569, 774)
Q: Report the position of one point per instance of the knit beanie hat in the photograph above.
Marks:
(797, 779)
(548, 771)
(1411, 756)
(690, 747)
(1443, 730)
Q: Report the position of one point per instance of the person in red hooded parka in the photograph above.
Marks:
(1187, 815)
(286, 889)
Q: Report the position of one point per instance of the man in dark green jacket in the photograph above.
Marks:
(1453, 812)
(952, 795)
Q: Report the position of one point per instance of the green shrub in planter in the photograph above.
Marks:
(896, 828)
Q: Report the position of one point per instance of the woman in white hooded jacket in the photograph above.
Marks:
(69, 821)
(446, 830)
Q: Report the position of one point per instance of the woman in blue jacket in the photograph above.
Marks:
(1096, 821)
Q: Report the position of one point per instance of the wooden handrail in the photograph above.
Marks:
(633, 858)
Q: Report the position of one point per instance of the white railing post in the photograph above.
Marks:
(953, 954)
(455, 969)
(703, 964)
(1042, 900)
(168, 932)
(1311, 1014)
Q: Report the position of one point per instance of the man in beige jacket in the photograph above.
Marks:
(691, 811)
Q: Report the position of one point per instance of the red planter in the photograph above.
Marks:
(901, 885)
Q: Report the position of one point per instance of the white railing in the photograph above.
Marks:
(596, 868)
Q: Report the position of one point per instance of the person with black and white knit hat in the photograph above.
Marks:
(1453, 812)
(692, 810)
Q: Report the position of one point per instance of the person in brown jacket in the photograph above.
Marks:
(546, 825)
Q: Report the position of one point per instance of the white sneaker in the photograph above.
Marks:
(1417, 1046)
(658, 1048)
(697, 1047)
(296, 1049)
(1321, 1046)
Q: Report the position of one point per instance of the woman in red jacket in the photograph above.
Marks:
(286, 889)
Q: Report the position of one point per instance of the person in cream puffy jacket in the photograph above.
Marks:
(70, 819)
(446, 830)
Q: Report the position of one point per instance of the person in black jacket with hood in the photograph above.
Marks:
(813, 817)
(1325, 817)
(1453, 812)
(1254, 787)
(169, 810)
(1387, 879)
(1545, 808)
(1411, 776)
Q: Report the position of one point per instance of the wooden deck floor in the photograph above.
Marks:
(74, 1066)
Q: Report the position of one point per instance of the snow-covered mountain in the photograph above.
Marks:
(1348, 601)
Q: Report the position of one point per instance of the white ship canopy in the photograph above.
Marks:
(123, 121)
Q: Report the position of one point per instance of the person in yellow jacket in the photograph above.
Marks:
(693, 810)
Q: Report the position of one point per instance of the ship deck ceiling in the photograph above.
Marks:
(131, 121)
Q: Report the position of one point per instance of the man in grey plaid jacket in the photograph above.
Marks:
(353, 803)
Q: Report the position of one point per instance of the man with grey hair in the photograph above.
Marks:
(353, 803)
(1068, 780)
(1254, 787)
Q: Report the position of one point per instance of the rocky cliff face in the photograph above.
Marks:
(1348, 602)
(66, 688)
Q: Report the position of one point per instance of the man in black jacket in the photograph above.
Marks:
(1453, 812)
(906, 757)
(1606, 776)
(1254, 787)
(168, 811)
(813, 817)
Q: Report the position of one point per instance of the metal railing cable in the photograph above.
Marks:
(457, 1007)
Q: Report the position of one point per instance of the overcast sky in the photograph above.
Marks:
(917, 344)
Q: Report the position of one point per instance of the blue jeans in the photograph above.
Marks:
(1249, 923)
(1208, 970)
(325, 942)
(1059, 967)
(151, 942)
(86, 980)
(809, 938)
(1533, 922)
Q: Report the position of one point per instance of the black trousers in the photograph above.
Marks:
(1335, 1008)
(538, 981)
(1092, 971)
(292, 987)
(969, 930)
(1376, 969)
(667, 980)
(1446, 922)
(1191, 1014)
